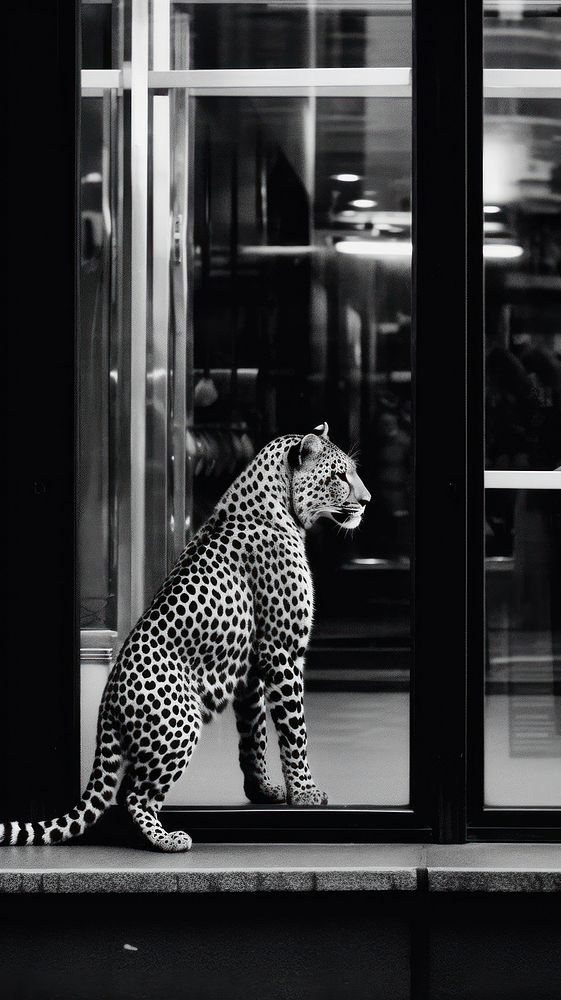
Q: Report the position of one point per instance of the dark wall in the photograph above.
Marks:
(37, 705)
(494, 947)
(259, 946)
(281, 946)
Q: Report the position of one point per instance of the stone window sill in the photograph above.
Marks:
(285, 867)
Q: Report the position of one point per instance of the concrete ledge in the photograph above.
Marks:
(494, 868)
(444, 880)
(284, 868)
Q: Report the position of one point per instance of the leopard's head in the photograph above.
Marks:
(325, 482)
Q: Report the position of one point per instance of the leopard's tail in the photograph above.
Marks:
(100, 793)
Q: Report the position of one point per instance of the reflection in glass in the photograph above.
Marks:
(97, 604)
(522, 190)
(523, 677)
(522, 227)
(290, 331)
(283, 35)
(522, 35)
(96, 23)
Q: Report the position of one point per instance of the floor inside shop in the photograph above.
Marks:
(359, 751)
(358, 708)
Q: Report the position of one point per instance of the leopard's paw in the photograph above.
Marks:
(261, 793)
(311, 796)
(174, 843)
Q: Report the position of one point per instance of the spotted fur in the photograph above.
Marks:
(230, 623)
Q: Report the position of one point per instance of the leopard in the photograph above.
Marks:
(230, 624)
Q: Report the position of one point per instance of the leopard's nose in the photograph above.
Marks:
(362, 495)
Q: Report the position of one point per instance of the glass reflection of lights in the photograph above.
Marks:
(375, 248)
(346, 178)
(491, 209)
(403, 248)
(502, 251)
(363, 203)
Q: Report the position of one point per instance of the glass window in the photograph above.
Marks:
(263, 35)
(523, 711)
(96, 34)
(522, 224)
(247, 273)
(247, 240)
(289, 326)
(100, 590)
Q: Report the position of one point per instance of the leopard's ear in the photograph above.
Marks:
(309, 448)
(322, 430)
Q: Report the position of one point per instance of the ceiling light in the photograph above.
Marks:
(363, 203)
(502, 251)
(375, 248)
(491, 209)
(346, 178)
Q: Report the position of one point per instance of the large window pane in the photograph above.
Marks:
(301, 313)
(522, 222)
(254, 280)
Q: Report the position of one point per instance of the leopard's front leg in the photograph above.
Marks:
(284, 688)
(249, 706)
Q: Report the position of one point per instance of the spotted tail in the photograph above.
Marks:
(98, 796)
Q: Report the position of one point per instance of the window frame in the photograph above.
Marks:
(437, 752)
(447, 683)
(484, 823)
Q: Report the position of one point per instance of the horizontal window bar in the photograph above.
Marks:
(358, 81)
(501, 479)
(522, 82)
(96, 80)
(392, 82)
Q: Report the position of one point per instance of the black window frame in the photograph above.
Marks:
(448, 677)
(483, 823)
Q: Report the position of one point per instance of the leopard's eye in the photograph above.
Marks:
(343, 477)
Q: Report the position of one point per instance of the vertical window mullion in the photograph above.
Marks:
(448, 305)
(475, 383)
